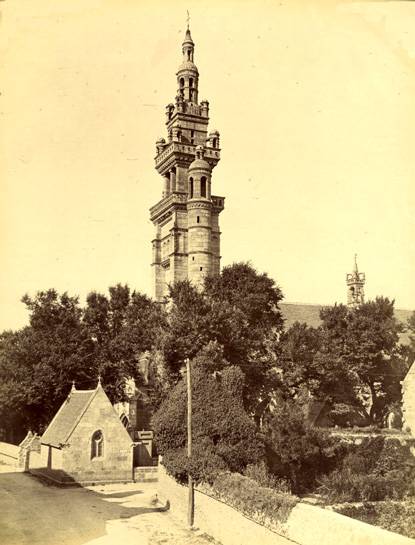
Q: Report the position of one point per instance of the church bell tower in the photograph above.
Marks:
(186, 243)
(355, 286)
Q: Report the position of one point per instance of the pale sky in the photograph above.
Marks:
(315, 106)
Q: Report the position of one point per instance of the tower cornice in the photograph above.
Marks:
(176, 151)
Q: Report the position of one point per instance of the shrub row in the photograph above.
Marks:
(265, 505)
(398, 517)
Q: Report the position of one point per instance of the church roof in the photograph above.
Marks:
(310, 314)
(301, 312)
(67, 418)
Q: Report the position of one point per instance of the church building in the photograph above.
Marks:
(186, 242)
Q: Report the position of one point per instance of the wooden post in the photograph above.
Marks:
(191, 505)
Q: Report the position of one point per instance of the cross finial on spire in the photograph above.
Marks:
(99, 380)
(73, 386)
(188, 19)
(355, 263)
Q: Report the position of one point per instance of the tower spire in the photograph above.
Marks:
(355, 270)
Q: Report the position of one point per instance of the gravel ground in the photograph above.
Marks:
(34, 512)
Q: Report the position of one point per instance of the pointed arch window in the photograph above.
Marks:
(97, 445)
(191, 188)
(203, 187)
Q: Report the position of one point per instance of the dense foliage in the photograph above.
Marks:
(65, 343)
(223, 436)
(379, 468)
(353, 362)
(239, 312)
(296, 450)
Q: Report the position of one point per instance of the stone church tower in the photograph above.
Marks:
(355, 286)
(186, 243)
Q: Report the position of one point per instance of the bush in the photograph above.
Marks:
(262, 504)
(204, 466)
(296, 450)
(397, 517)
(342, 485)
(378, 469)
(261, 475)
(223, 436)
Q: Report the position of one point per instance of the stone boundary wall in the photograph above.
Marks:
(306, 525)
(222, 522)
(9, 454)
(357, 438)
(145, 474)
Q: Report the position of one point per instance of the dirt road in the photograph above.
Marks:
(34, 512)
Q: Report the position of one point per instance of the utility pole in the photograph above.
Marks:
(191, 505)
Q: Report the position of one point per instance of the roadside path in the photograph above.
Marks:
(33, 512)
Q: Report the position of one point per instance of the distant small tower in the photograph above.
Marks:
(355, 286)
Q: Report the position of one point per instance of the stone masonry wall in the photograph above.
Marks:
(9, 454)
(217, 519)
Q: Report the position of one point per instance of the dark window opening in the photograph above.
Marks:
(198, 219)
(191, 188)
(203, 187)
(190, 82)
(214, 143)
(181, 82)
(188, 55)
(193, 258)
(201, 268)
(192, 137)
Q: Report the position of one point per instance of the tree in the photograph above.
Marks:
(122, 326)
(364, 341)
(237, 310)
(65, 343)
(39, 363)
(298, 347)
